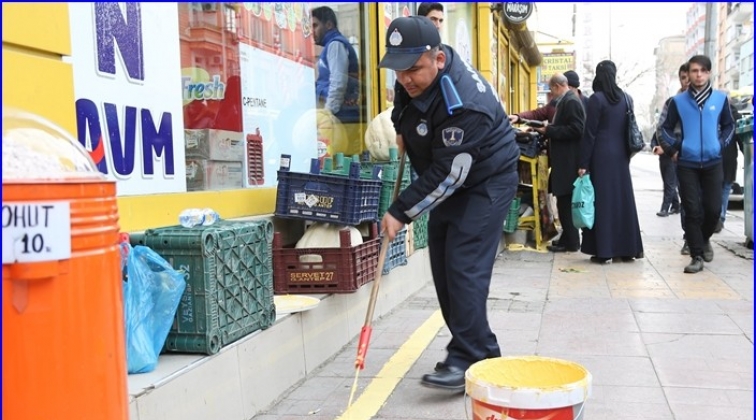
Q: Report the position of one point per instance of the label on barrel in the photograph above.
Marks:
(36, 231)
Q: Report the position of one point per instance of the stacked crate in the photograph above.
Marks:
(344, 199)
(214, 159)
(229, 281)
(400, 248)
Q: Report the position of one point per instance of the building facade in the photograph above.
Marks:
(190, 105)
(695, 29)
(670, 54)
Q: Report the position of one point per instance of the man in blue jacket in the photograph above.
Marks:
(706, 129)
(461, 145)
(337, 87)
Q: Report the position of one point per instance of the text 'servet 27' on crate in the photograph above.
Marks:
(327, 198)
(229, 285)
(326, 270)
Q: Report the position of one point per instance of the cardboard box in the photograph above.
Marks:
(214, 144)
(206, 175)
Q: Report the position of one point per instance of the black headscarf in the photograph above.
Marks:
(606, 81)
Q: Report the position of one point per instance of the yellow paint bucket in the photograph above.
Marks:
(527, 387)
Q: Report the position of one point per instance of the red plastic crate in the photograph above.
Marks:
(255, 167)
(343, 269)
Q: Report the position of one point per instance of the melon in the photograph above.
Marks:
(380, 136)
(325, 235)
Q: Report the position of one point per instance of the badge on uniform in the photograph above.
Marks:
(452, 136)
(422, 129)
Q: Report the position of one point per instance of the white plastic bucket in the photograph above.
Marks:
(527, 387)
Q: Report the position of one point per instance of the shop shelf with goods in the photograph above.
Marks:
(229, 290)
(533, 189)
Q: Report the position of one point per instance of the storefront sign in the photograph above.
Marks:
(518, 12)
(128, 99)
(552, 64)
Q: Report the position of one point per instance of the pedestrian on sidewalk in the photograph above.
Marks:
(604, 154)
(564, 136)
(460, 143)
(707, 128)
(671, 201)
(730, 169)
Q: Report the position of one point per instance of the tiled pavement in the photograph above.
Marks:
(660, 344)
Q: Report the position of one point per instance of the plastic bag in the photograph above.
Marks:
(152, 291)
(583, 211)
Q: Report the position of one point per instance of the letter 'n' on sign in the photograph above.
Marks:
(114, 28)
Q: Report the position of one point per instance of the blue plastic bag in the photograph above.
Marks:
(152, 291)
(583, 211)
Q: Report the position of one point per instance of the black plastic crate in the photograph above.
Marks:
(229, 286)
(326, 198)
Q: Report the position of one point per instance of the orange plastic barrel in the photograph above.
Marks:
(64, 352)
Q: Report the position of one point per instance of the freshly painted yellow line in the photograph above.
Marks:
(380, 388)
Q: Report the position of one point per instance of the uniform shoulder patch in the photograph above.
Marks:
(452, 136)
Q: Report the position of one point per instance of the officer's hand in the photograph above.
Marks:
(400, 143)
(513, 119)
(581, 172)
(658, 151)
(674, 157)
(391, 226)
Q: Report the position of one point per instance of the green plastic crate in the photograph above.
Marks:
(388, 178)
(420, 231)
(513, 217)
(229, 287)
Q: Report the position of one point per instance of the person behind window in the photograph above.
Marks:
(434, 12)
(337, 86)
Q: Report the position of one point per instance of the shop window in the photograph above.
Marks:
(341, 104)
(230, 18)
(253, 90)
(388, 12)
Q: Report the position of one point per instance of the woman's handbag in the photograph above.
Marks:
(635, 141)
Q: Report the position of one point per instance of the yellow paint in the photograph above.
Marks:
(527, 372)
(39, 85)
(483, 41)
(150, 211)
(39, 26)
(381, 387)
(375, 38)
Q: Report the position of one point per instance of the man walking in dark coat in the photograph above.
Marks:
(564, 136)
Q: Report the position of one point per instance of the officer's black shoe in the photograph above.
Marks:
(662, 213)
(451, 378)
(440, 366)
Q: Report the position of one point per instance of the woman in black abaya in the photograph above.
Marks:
(616, 231)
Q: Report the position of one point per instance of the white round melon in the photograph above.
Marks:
(380, 136)
(325, 235)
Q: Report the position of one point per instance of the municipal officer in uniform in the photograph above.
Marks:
(462, 147)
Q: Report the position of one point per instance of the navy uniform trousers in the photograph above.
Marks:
(463, 235)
